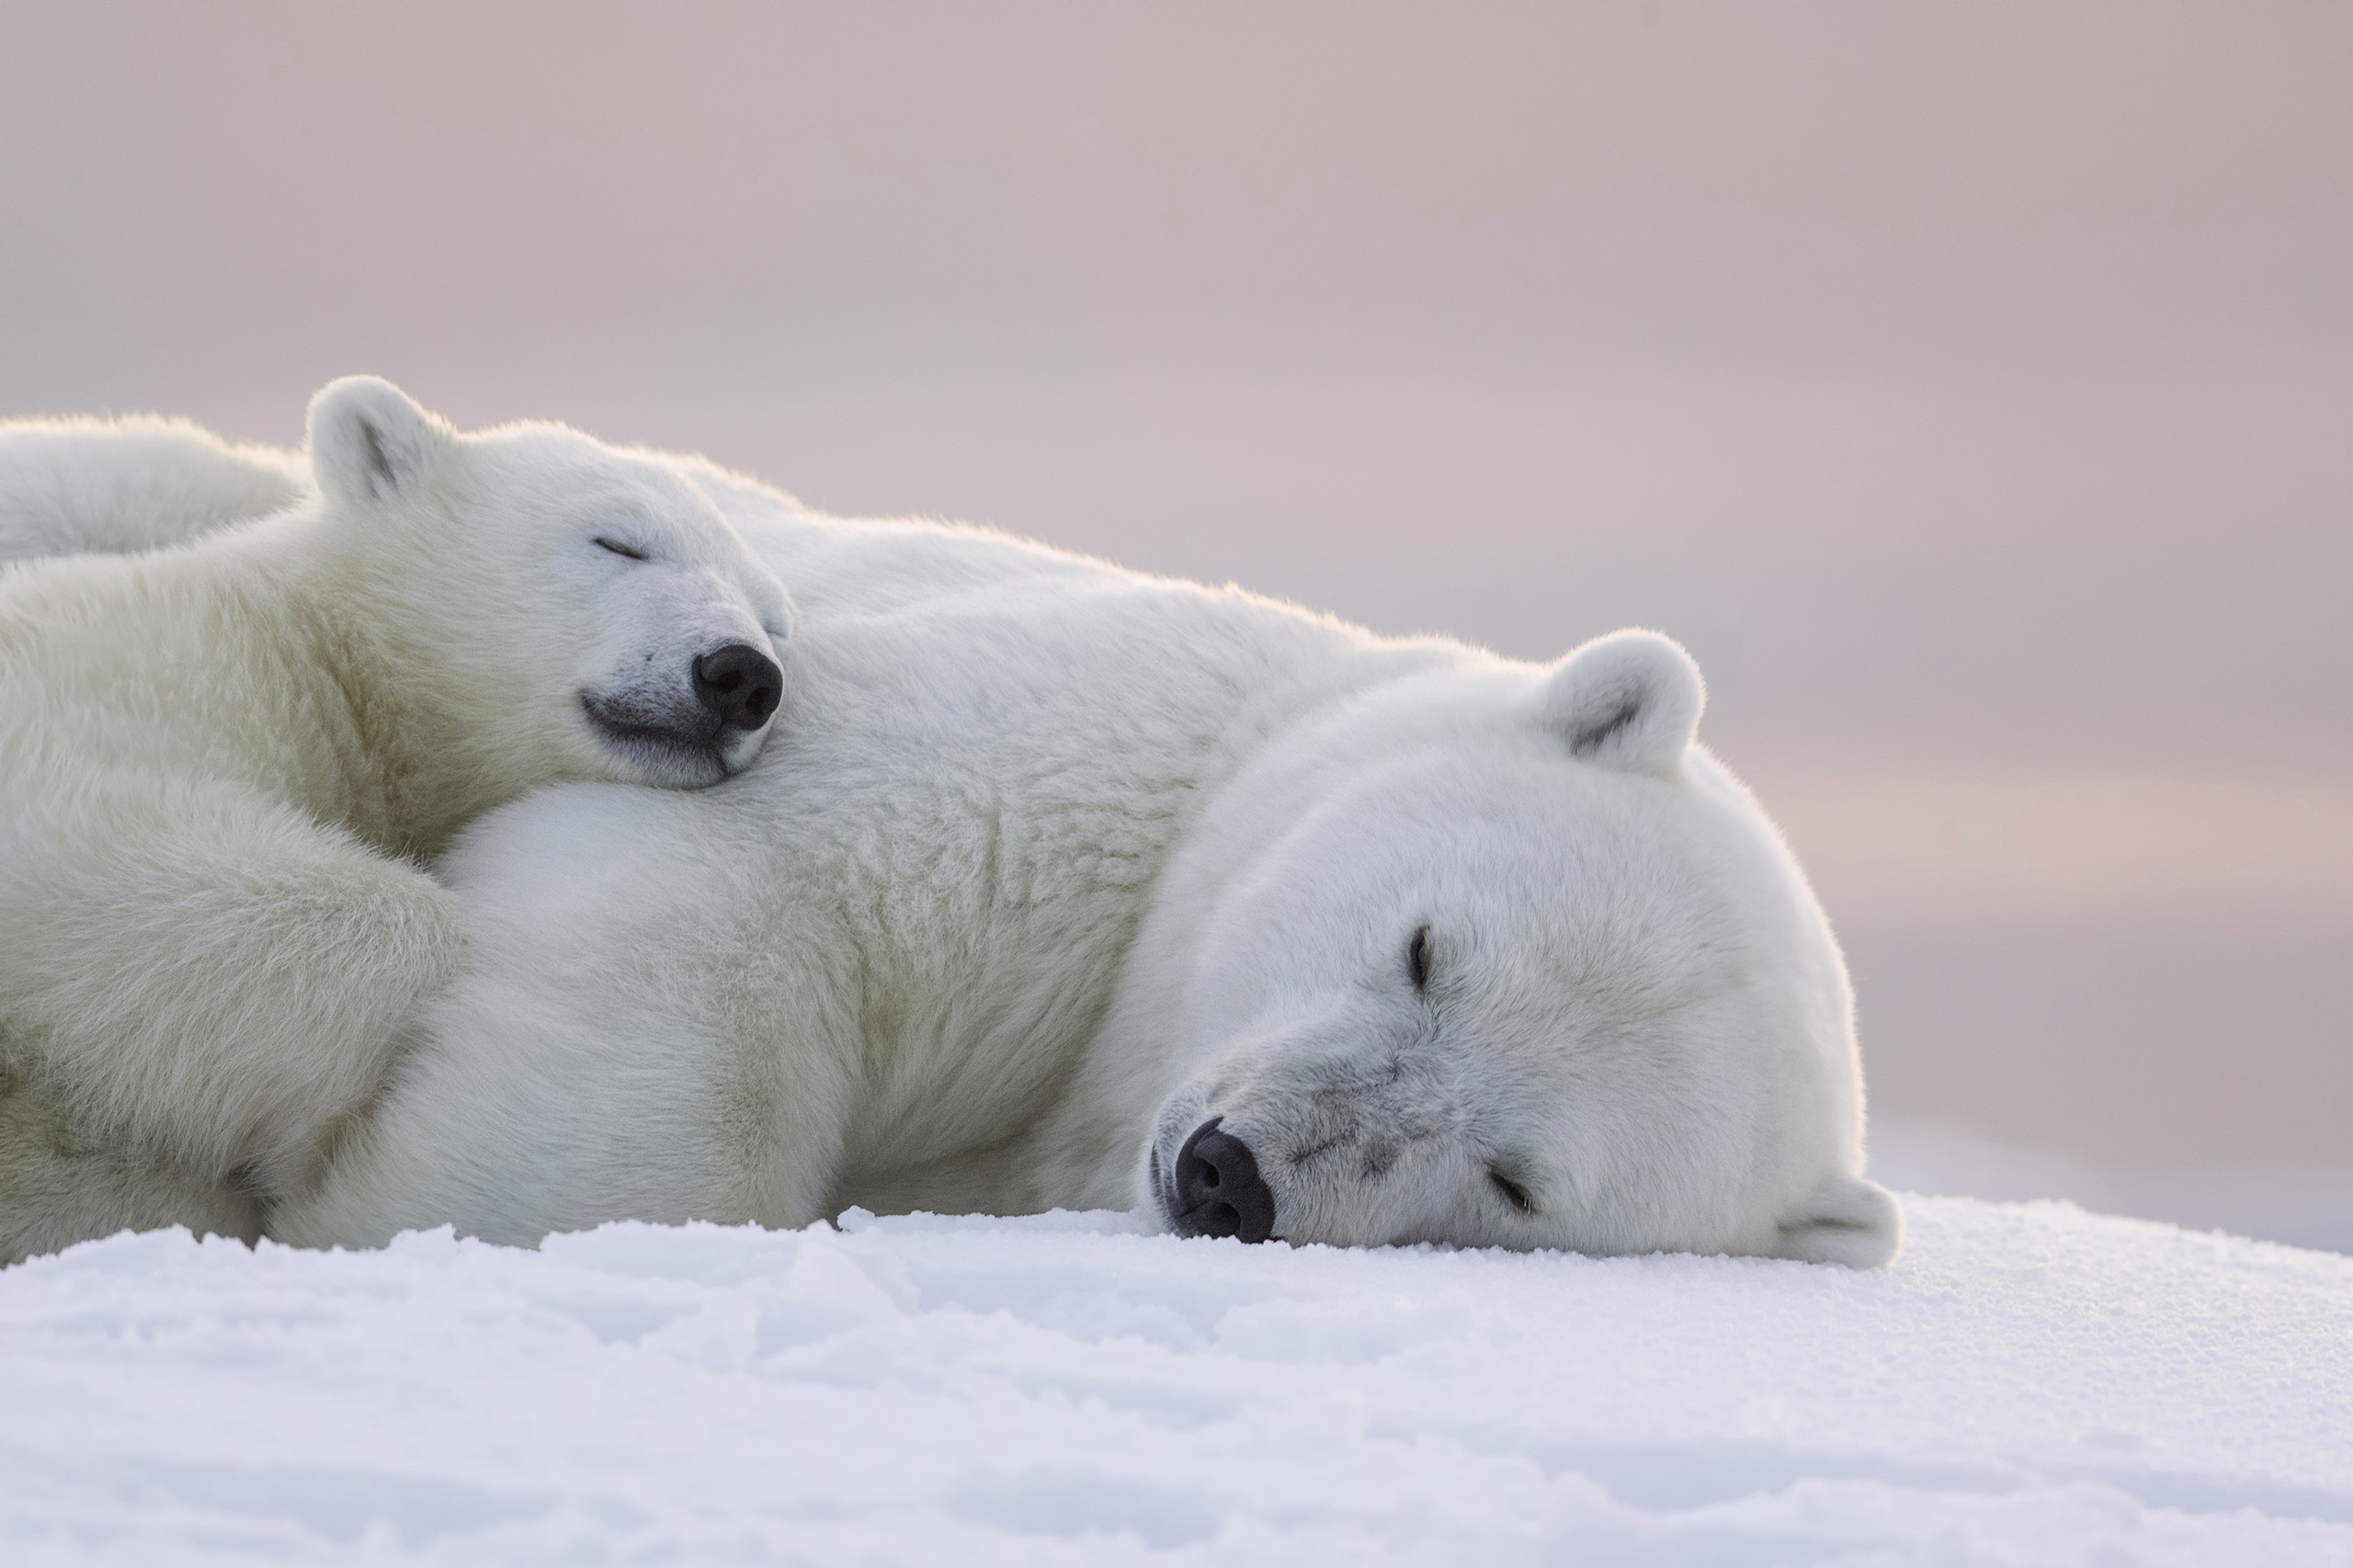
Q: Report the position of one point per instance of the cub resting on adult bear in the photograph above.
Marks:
(1078, 888)
(220, 763)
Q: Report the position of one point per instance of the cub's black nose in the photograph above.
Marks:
(740, 684)
(1218, 1190)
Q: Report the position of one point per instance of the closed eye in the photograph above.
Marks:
(617, 547)
(1511, 1191)
(1417, 959)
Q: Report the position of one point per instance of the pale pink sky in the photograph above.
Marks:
(1970, 386)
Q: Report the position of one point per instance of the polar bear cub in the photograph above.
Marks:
(222, 761)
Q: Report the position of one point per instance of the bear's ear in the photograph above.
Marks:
(1628, 700)
(370, 441)
(1844, 1220)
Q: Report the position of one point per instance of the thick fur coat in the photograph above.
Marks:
(1068, 886)
(124, 486)
(223, 762)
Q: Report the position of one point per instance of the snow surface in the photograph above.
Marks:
(2027, 1384)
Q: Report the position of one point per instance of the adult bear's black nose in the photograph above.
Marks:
(739, 684)
(1218, 1190)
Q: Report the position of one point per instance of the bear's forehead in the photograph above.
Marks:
(1526, 820)
(1570, 882)
(567, 472)
(662, 498)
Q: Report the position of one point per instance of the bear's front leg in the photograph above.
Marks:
(199, 971)
(59, 1184)
(555, 1089)
(642, 1032)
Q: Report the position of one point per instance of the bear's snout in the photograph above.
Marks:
(691, 731)
(739, 685)
(1217, 1190)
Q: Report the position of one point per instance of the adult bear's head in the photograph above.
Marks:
(1500, 957)
(581, 612)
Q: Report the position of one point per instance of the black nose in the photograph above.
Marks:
(1218, 1190)
(740, 684)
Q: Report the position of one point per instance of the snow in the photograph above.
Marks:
(2028, 1384)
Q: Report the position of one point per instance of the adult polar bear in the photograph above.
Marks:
(1067, 886)
(219, 760)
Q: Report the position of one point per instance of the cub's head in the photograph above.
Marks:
(1501, 958)
(585, 613)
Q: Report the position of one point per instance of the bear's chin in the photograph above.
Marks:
(680, 749)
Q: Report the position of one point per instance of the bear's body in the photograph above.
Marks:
(1068, 886)
(223, 761)
(119, 486)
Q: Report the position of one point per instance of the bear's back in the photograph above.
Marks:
(73, 486)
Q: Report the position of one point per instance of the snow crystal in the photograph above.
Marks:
(2028, 1384)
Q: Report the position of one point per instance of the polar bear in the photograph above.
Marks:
(1072, 887)
(224, 760)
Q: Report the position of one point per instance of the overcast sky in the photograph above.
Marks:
(1970, 387)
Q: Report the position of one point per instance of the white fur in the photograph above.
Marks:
(1054, 861)
(223, 758)
(68, 486)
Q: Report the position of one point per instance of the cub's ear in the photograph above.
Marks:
(1630, 700)
(370, 441)
(1845, 1220)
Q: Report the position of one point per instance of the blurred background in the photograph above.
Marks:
(1970, 387)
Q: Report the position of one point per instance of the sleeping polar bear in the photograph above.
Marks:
(219, 761)
(1068, 886)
